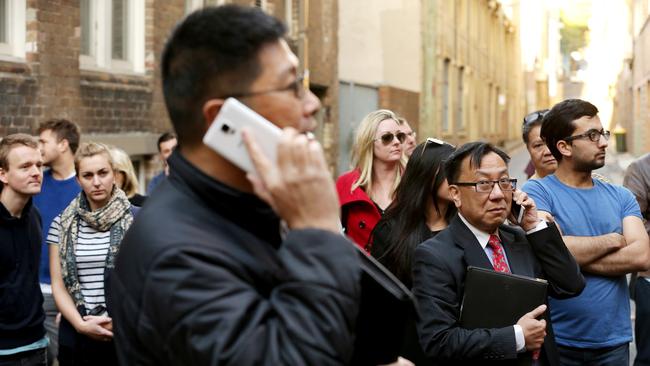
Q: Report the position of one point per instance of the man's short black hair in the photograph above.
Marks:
(212, 53)
(558, 122)
(476, 150)
(165, 137)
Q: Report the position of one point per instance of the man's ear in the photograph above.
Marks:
(210, 110)
(454, 194)
(63, 145)
(564, 148)
(3, 176)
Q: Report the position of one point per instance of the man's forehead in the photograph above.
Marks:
(585, 123)
(278, 62)
(21, 153)
(490, 163)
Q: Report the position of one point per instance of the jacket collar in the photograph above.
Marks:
(475, 254)
(243, 209)
(6, 218)
(343, 187)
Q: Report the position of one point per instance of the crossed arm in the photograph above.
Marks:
(611, 254)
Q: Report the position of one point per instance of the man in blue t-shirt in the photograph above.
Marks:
(166, 144)
(58, 141)
(602, 228)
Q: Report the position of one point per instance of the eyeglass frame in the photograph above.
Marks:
(534, 116)
(299, 86)
(512, 181)
(393, 137)
(602, 133)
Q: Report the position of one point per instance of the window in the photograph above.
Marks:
(112, 35)
(460, 100)
(12, 28)
(191, 5)
(445, 95)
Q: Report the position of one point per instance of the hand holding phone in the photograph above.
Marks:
(517, 212)
(225, 134)
(286, 168)
(299, 187)
(523, 211)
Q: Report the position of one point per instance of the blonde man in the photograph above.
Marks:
(22, 334)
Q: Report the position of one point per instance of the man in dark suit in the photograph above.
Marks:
(482, 190)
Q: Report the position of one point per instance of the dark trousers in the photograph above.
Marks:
(37, 357)
(642, 322)
(51, 327)
(610, 356)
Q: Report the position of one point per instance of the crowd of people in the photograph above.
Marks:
(216, 265)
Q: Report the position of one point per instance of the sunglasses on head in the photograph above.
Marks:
(434, 141)
(537, 115)
(388, 137)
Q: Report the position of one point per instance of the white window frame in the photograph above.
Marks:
(100, 58)
(14, 48)
(191, 5)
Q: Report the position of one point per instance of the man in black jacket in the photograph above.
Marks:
(483, 192)
(22, 335)
(206, 274)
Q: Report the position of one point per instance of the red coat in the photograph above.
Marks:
(359, 212)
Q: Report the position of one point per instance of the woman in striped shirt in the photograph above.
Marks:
(84, 240)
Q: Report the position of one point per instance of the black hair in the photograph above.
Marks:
(167, 136)
(558, 122)
(529, 125)
(476, 151)
(406, 217)
(212, 53)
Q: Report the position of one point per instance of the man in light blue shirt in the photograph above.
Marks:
(602, 228)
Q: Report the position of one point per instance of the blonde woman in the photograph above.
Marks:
(125, 178)
(84, 241)
(378, 161)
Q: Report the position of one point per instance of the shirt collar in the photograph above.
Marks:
(481, 236)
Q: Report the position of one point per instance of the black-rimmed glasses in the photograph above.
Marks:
(593, 135)
(388, 137)
(298, 87)
(486, 186)
(537, 115)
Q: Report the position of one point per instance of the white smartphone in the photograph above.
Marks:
(225, 134)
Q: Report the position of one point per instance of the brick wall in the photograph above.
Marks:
(403, 102)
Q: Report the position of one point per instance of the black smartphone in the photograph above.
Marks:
(517, 211)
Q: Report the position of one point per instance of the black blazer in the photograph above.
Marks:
(439, 271)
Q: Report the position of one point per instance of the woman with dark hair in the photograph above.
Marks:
(421, 208)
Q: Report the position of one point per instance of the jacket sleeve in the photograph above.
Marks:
(209, 311)
(436, 292)
(560, 268)
(638, 183)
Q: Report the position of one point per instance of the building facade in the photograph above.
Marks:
(96, 62)
(472, 80)
(380, 64)
(633, 92)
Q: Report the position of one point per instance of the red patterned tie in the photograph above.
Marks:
(498, 259)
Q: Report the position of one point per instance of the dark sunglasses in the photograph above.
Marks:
(537, 115)
(388, 137)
